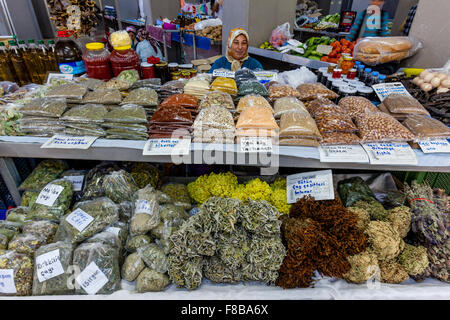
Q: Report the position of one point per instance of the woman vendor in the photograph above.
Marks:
(237, 53)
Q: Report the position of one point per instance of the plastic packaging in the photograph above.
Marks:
(355, 106)
(279, 91)
(214, 117)
(89, 83)
(171, 114)
(22, 266)
(26, 243)
(119, 186)
(88, 113)
(315, 91)
(244, 75)
(354, 189)
(45, 107)
(129, 113)
(197, 86)
(298, 125)
(398, 103)
(145, 211)
(179, 194)
(297, 77)
(49, 280)
(120, 39)
(218, 98)
(9, 229)
(287, 104)
(90, 256)
(331, 122)
(44, 228)
(18, 214)
(181, 100)
(257, 117)
(381, 127)
(377, 50)
(133, 243)
(142, 96)
(252, 87)
(154, 257)
(424, 127)
(280, 35)
(105, 237)
(338, 138)
(103, 96)
(132, 267)
(70, 91)
(321, 107)
(96, 60)
(253, 101)
(150, 280)
(227, 85)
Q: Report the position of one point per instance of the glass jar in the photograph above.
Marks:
(337, 73)
(96, 60)
(162, 71)
(176, 75)
(148, 70)
(345, 91)
(173, 67)
(366, 92)
(186, 74)
(193, 73)
(331, 67)
(323, 80)
(347, 64)
(322, 71)
(186, 66)
(124, 58)
(336, 84)
(329, 81)
(351, 74)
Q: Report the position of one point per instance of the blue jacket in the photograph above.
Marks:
(250, 63)
(361, 19)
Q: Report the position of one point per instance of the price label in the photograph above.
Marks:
(79, 219)
(58, 76)
(68, 142)
(162, 147)
(49, 194)
(266, 76)
(435, 146)
(7, 281)
(77, 182)
(113, 230)
(49, 265)
(384, 89)
(318, 184)
(395, 153)
(223, 73)
(143, 206)
(254, 144)
(92, 279)
(344, 153)
(323, 49)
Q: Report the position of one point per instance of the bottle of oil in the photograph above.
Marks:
(30, 55)
(52, 56)
(69, 54)
(18, 63)
(22, 46)
(7, 72)
(43, 59)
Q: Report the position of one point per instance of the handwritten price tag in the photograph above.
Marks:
(144, 206)
(223, 73)
(323, 49)
(49, 194)
(49, 265)
(395, 153)
(344, 153)
(69, 142)
(162, 147)
(92, 279)
(384, 89)
(253, 144)
(435, 146)
(79, 219)
(318, 184)
(7, 281)
(77, 182)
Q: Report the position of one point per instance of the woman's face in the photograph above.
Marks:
(239, 47)
(132, 35)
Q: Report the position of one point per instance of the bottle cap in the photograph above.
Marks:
(51, 41)
(64, 33)
(361, 66)
(21, 42)
(2, 44)
(368, 70)
(146, 65)
(40, 41)
(375, 73)
(30, 40)
(382, 77)
(12, 42)
(95, 46)
(123, 47)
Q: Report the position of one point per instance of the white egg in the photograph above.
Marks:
(443, 90)
(424, 73)
(441, 76)
(426, 87)
(429, 77)
(435, 82)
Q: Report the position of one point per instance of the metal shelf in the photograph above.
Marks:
(289, 58)
(323, 32)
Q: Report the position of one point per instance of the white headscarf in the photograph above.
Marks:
(235, 64)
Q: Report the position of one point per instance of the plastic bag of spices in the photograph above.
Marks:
(119, 186)
(142, 97)
(218, 98)
(252, 87)
(287, 104)
(71, 91)
(399, 103)
(43, 228)
(26, 243)
(45, 107)
(256, 117)
(129, 113)
(88, 113)
(180, 100)
(145, 211)
(424, 127)
(17, 274)
(299, 125)
(308, 91)
(103, 96)
(253, 101)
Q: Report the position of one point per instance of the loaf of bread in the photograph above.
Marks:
(380, 45)
(377, 58)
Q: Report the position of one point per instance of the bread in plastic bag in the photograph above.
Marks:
(103, 96)
(43, 228)
(45, 107)
(257, 117)
(153, 257)
(399, 103)
(53, 201)
(93, 256)
(378, 50)
(253, 101)
(252, 87)
(243, 75)
(45, 172)
(424, 127)
(145, 211)
(132, 267)
(354, 106)
(129, 113)
(88, 113)
(224, 84)
(280, 90)
(150, 280)
(70, 91)
(101, 212)
(18, 214)
(26, 243)
(280, 35)
(299, 125)
(135, 242)
(51, 265)
(287, 104)
(381, 127)
(311, 91)
(218, 98)
(119, 186)
(142, 97)
(22, 273)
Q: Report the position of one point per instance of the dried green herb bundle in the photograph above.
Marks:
(144, 174)
(119, 186)
(88, 113)
(261, 218)
(151, 280)
(364, 266)
(383, 239)
(145, 211)
(94, 181)
(133, 243)
(154, 257)
(132, 267)
(45, 107)
(9, 229)
(354, 189)
(179, 194)
(28, 198)
(45, 172)
(374, 208)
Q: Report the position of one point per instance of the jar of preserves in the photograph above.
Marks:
(193, 73)
(68, 54)
(124, 58)
(186, 74)
(162, 71)
(148, 70)
(351, 74)
(347, 64)
(337, 73)
(345, 91)
(173, 67)
(96, 60)
(176, 75)
(331, 67)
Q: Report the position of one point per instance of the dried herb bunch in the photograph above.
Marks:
(318, 235)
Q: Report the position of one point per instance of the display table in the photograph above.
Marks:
(284, 57)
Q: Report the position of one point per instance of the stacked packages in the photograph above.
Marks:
(214, 124)
(127, 122)
(198, 86)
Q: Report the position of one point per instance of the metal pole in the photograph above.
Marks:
(119, 22)
(11, 177)
(166, 56)
(195, 46)
(182, 46)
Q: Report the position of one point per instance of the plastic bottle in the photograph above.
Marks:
(32, 62)
(96, 60)
(43, 59)
(69, 55)
(18, 63)
(361, 68)
(382, 78)
(374, 78)
(22, 46)
(366, 77)
(7, 72)
(52, 56)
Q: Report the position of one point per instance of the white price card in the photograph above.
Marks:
(7, 285)
(49, 194)
(58, 76)
(92, 279)
(143, 206)
(163, 147)
(59, 141)
(255, 144)
(435, 146)
(393, 153)
(384, 89)
(323, 49)
(266, 75)
(223, 73)
(79, 219)
(48, 265)
(113, 230)
(77, 182)
(318, 184)
(343, 153)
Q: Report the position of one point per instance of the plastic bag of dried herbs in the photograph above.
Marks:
(175, 214)
(89, 83)
(53, 201)
(45, 172)
(96, 132)
(133, 243)
(252, 87)
(144, 174)
(78, 180)
(88, 113)
(43, 228)
(103, 96)
(105, 237)
(125, 211)
(120, 229)
(150, 280)
(3, 242)
(61, 233)
(145, 211)
(50, 269)
(70, 91)
(17, 274)
(26, 243)
(125, 126)
(142, 96)
(99, 266)
(132, 267)
(154, 257)
(10, 229)
(94, 180)
(179, 194)
(354, 189)
(90, 217)
(130, 76)
(28, 198)
(152, 83)
(45, 107)
(18, 214)
(119, 186)
(162, 234)
(130, 113)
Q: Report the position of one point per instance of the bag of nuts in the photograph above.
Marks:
(354, 106)
(308, 91)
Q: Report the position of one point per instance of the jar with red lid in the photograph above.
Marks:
(148, 70)
(96, 60)
(337, 73)
(124, 58)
